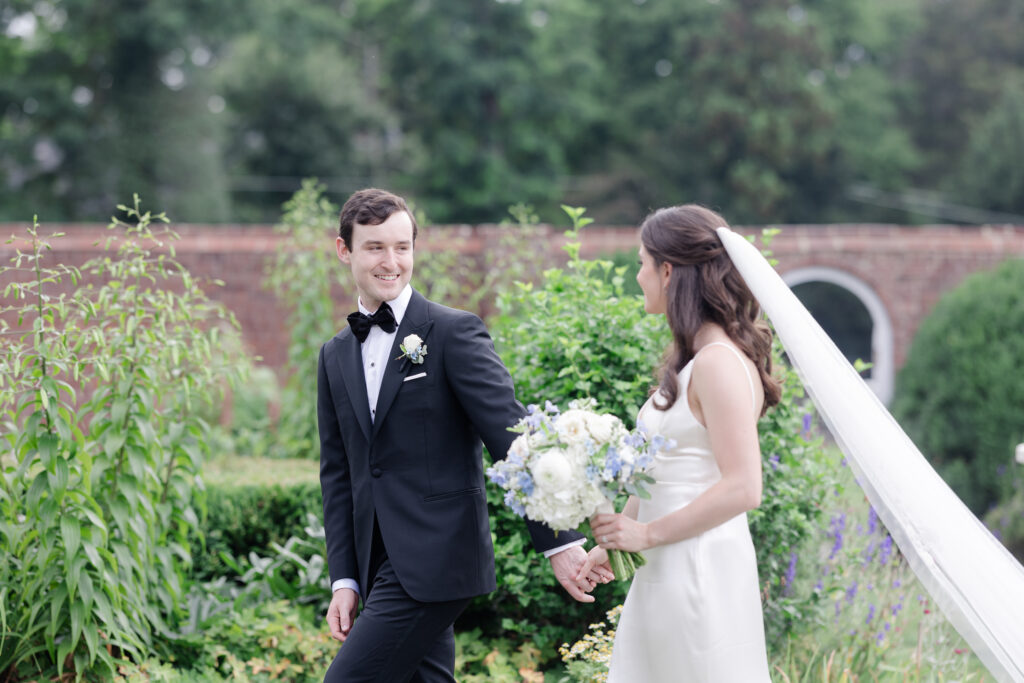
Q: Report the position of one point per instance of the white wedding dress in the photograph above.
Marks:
(693, 613)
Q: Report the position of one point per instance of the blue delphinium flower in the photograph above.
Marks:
(790, 574)
(513, 502)
(838, 525)
(525, 483)
(634, 440)
(886, 552)
(497, 476)
(612, 463)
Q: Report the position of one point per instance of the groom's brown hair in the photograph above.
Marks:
(370, 206)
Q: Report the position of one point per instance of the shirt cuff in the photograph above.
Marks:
(554, 551)
(345, 583)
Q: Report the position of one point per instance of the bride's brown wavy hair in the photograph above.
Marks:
(704, 286)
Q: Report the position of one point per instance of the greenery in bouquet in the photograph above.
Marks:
(565, 466)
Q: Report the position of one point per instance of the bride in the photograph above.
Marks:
(693, 612)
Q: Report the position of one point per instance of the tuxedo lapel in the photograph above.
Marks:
(415, 321)
(351, 359)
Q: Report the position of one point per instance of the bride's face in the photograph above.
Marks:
(653, 280)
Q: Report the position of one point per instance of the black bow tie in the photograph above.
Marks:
(361, 323)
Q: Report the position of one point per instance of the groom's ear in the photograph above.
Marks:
(344, 255)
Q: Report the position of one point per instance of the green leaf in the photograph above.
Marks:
(71, 532)
(78, 616)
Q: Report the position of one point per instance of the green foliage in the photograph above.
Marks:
(103, 99)
(959, 394)
(781, 111)
(991, 174)
(577, 335)
(102, 402)
(498, 660)
(249, 518)
(270, 640)
(796, 479)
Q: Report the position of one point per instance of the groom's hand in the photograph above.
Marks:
(566, 565)
(342, 612)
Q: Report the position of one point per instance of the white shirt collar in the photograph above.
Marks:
(398, 304)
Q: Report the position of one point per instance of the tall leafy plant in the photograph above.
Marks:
(103, 437)
(302, 276)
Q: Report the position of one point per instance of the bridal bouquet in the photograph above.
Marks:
(565, 466)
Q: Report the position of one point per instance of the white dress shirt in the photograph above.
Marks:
(376, 349)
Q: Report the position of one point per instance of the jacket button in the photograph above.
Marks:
(375, 473)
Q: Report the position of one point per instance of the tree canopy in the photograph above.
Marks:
(769, 110)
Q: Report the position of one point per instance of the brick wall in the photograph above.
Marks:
(908, 267)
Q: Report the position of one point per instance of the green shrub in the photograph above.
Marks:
(250, 518)
(960, 393)
(101, 404)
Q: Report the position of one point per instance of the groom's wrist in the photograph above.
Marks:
(351, 584)
(550, 552)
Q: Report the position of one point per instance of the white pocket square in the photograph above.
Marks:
(416, 376)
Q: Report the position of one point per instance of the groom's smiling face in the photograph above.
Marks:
(381, 258)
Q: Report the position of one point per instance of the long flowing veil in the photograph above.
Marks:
(973, 579)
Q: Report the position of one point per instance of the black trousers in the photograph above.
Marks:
(396, 638)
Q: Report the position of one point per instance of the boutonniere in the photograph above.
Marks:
(414, 349)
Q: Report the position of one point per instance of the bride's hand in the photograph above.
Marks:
(596, 568)
(619, 532)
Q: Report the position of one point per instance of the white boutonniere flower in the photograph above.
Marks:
(414, 349)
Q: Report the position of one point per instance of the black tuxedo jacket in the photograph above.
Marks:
(418, 465)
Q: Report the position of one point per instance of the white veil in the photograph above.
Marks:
(975, 581)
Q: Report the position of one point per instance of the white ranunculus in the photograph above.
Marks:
(551, 470)
(571, 424)
(411, 343)
(602, 427)
(520, 446)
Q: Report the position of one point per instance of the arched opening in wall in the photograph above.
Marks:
(853, 316)
(843, 316)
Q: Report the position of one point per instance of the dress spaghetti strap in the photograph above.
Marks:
(740, 356)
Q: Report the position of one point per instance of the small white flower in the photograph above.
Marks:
(552, 471)
(414, 349)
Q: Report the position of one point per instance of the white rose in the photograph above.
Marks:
(412, 342)
(551, 470)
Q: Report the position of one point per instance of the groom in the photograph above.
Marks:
(405, 394)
